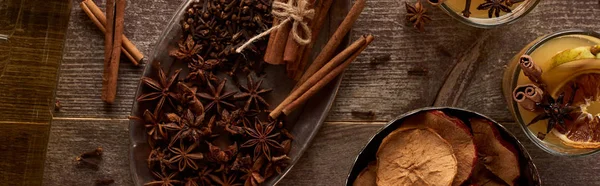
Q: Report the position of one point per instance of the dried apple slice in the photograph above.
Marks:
(415, 156)
(456, 133)
(497, 155)
(484, 177)
(367, 176)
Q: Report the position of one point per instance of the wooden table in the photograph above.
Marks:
(450, 64)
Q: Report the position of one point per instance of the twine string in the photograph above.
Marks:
(287, 12)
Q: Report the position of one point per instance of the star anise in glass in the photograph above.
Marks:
(184, 157)
(217, 97)
(186, 49)
(225, 180)
(192, 127)
(494, 7)
(262, 139)
(164, 180)
(161, 88)
(416, 15)
(253, 94)
(555, 111)
(512, 2)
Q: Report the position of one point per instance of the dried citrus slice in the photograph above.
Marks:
(415, 156)
(367, 176)
(579, 82)
(455, 132)
(497, 155)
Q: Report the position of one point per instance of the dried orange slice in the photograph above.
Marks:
(578, 83)
(415, 156)
(367, 176)
(456, 133)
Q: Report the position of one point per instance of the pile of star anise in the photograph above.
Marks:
(201, 130)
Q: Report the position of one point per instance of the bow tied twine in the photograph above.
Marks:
(287, 12)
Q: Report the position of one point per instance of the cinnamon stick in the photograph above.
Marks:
(292, 47)
(335, 40)
(275, 55)
(111, 72)
(317, 24)
(100, 26)
(108, 46)
(326, 79)
(527, 96)
(321, 73)
(137, 56)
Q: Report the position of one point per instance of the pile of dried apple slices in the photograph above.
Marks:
(433, 148)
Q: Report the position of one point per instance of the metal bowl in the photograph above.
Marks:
(529, 173)
(303, 124)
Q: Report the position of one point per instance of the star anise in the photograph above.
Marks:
(204, 176)
(221, 156)
(184, 157)
(218, 98)
(161, 89)
(189, 95)
(191, 126)
(416, 15)
(253, 94)
(231, 121)
(512, 2)
(262, 139)
(276, 165)
(555, 111)
(154, 129)
(252, 174)
(225, 180)
(191, 181)
(494, 7)
(164, 180)
(160, 157)
(186, 49)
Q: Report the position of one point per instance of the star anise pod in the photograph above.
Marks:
(252, 174)
(189, 95)
(494, 7)
(225, 180)
(230, 122)
(204, 176)
(191, 181)
(162, 91)
(160, 157)
(164, 180)
(192, 127)
(416, 15)
(262, 138)
(555, 111)
(184, 157)
(221, 156)
(253, 94)
(154, 129)
(217, 97)
(276, 165)
(512, 2)
(186, 49)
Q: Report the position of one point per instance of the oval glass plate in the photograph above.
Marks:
(529, 173)
(304, 124)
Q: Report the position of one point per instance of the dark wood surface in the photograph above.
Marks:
(32, 37)
(450, 64)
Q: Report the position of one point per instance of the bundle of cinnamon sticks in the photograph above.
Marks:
(325, 67)
(115, 42)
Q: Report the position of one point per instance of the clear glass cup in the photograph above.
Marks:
(518, 12)
(541, 50)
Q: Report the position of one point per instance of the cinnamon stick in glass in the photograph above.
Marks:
(324, 80)
(136, 55)
(336, 61)
(100, 26)
(334, 41)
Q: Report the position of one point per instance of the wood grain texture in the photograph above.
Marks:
(69, 138)
(31, 44)
(80, 82)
